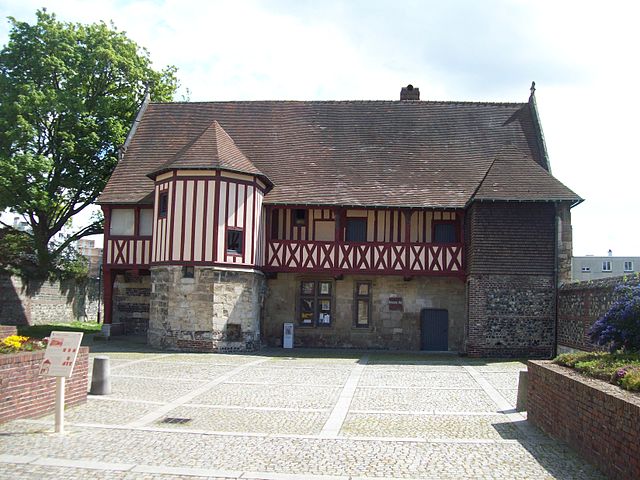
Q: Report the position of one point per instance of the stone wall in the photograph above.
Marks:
(37, 303)
(389, 329)
(599, 420)
(25, 394)
(580, 304)
(511, 316)
(216, 311)
(131, 296)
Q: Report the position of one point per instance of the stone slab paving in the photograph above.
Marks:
(310, 414)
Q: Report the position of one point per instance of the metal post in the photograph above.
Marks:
(60, 405)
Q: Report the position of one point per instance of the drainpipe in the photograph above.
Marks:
(556, 249)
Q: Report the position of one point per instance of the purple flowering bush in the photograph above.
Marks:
(619, 328)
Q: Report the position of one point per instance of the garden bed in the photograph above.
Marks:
(599, 420)
(25, 394)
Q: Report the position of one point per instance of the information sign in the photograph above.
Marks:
(61, 353)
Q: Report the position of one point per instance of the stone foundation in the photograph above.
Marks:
(216, 311)
(389, 328)
(511, 316)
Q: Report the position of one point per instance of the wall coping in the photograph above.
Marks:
(602, 283)
(592, 383)
(20, 357)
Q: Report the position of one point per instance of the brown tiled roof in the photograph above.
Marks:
(513, 175)
(351, 153)
(212, 149)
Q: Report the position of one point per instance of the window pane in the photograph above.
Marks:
(356, 230)
(122, 221)
(307, 288)
(324, 312)
(146, 221)
(234, 241)
(362, 317)
(444, 233)
(363, 289)
(164, 205)
(300, 217)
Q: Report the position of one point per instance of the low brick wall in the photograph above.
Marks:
(7, 331)
(25, 394)
(580, 304)
(599, 420)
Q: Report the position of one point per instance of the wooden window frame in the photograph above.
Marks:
(234, 253)
(608, 266)
(627, 263)
(316, 297)
(164, 196)
(357, 298)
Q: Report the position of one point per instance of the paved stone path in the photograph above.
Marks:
(289, 415)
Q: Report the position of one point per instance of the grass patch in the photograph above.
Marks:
(622, 369)
(41, 331)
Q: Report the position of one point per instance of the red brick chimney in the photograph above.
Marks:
(410, 93)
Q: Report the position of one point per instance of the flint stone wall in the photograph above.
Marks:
(216, 311)
(580, 304)
(37, 303)
(511, 316)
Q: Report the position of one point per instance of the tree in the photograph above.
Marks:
(619, 327)
(68, 96)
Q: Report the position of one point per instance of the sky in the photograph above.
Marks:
(583, 56)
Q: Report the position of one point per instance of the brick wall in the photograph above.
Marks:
(599, 420)
(37, 303)
(580, 304)
(25, 394)
(7, 330)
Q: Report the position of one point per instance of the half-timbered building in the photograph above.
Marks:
(372, 224)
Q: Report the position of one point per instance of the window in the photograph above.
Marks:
(145, 222)
(362, 300)
(356, 230)
(235, 239)
(315, 303)
(188, 271)
(628, 266)
(122, 221)
(163, 205)
(586, 269)
(299, 217)
(275, 224)
(444, 232)
(606, 266)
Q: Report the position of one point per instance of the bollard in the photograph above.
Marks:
(523, 381)
(101, 380)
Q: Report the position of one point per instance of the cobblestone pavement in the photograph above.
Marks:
(301, 414)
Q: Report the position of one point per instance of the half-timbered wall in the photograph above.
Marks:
(383, 225)
(202, 207)
(127, 243)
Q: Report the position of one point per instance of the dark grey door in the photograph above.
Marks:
(434, 329)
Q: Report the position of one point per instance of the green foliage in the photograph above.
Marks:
(68, 96)
(42, 331)
(621, 369)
